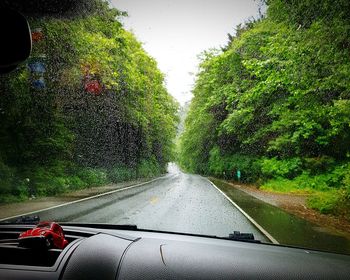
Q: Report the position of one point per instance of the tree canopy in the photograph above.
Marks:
(274, 103)
(103, 109)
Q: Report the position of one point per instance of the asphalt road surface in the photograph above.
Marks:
(178, 202)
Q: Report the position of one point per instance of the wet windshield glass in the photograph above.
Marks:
(200, 117)
(43, 226)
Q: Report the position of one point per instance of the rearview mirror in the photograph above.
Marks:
(16, 40)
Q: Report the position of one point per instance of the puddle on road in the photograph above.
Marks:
(286, 228)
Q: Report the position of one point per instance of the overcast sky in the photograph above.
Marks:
(174, 32)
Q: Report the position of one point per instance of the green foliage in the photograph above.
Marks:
(226, 166)
(12, 189)
(77, 183)
(145, 169)
(148, 169)
(275, 103)
(305, 12)
(330, 190)
(284, 185)
(302, 183)
(93, 177)
(325, 202)
(61, 177)
(346, 182)
(63, 137)
(318, 165)
(286, 168)
(121, 173)
(6, 178)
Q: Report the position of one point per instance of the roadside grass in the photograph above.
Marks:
(62, 178)
(282, 185)
(326, 202)
(325, 180)
(321, 195)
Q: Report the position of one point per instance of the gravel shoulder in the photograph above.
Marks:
(296, 204)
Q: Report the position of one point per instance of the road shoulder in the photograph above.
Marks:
(36, 204)
(296, 204)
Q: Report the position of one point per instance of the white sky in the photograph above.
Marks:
(174, 32)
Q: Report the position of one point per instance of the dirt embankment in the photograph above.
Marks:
(296, 204)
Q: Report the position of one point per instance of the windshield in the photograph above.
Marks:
(199, 117)
(44, 225)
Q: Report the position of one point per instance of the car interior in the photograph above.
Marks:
(124, 252)
(98, 251)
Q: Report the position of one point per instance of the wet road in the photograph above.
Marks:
(178, 202)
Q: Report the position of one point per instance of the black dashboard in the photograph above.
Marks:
(98, 253)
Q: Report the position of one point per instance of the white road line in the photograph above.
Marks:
(259, 227)
(86, 198)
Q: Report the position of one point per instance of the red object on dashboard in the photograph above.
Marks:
(44, 234)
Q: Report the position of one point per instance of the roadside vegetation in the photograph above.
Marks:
(65, 136)
(275, 105)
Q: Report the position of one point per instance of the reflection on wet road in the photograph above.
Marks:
(178, 202)
(287, 228)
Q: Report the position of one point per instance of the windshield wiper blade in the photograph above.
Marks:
(242, 236)
(100, 226)
(236, 235)
(23, 220)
